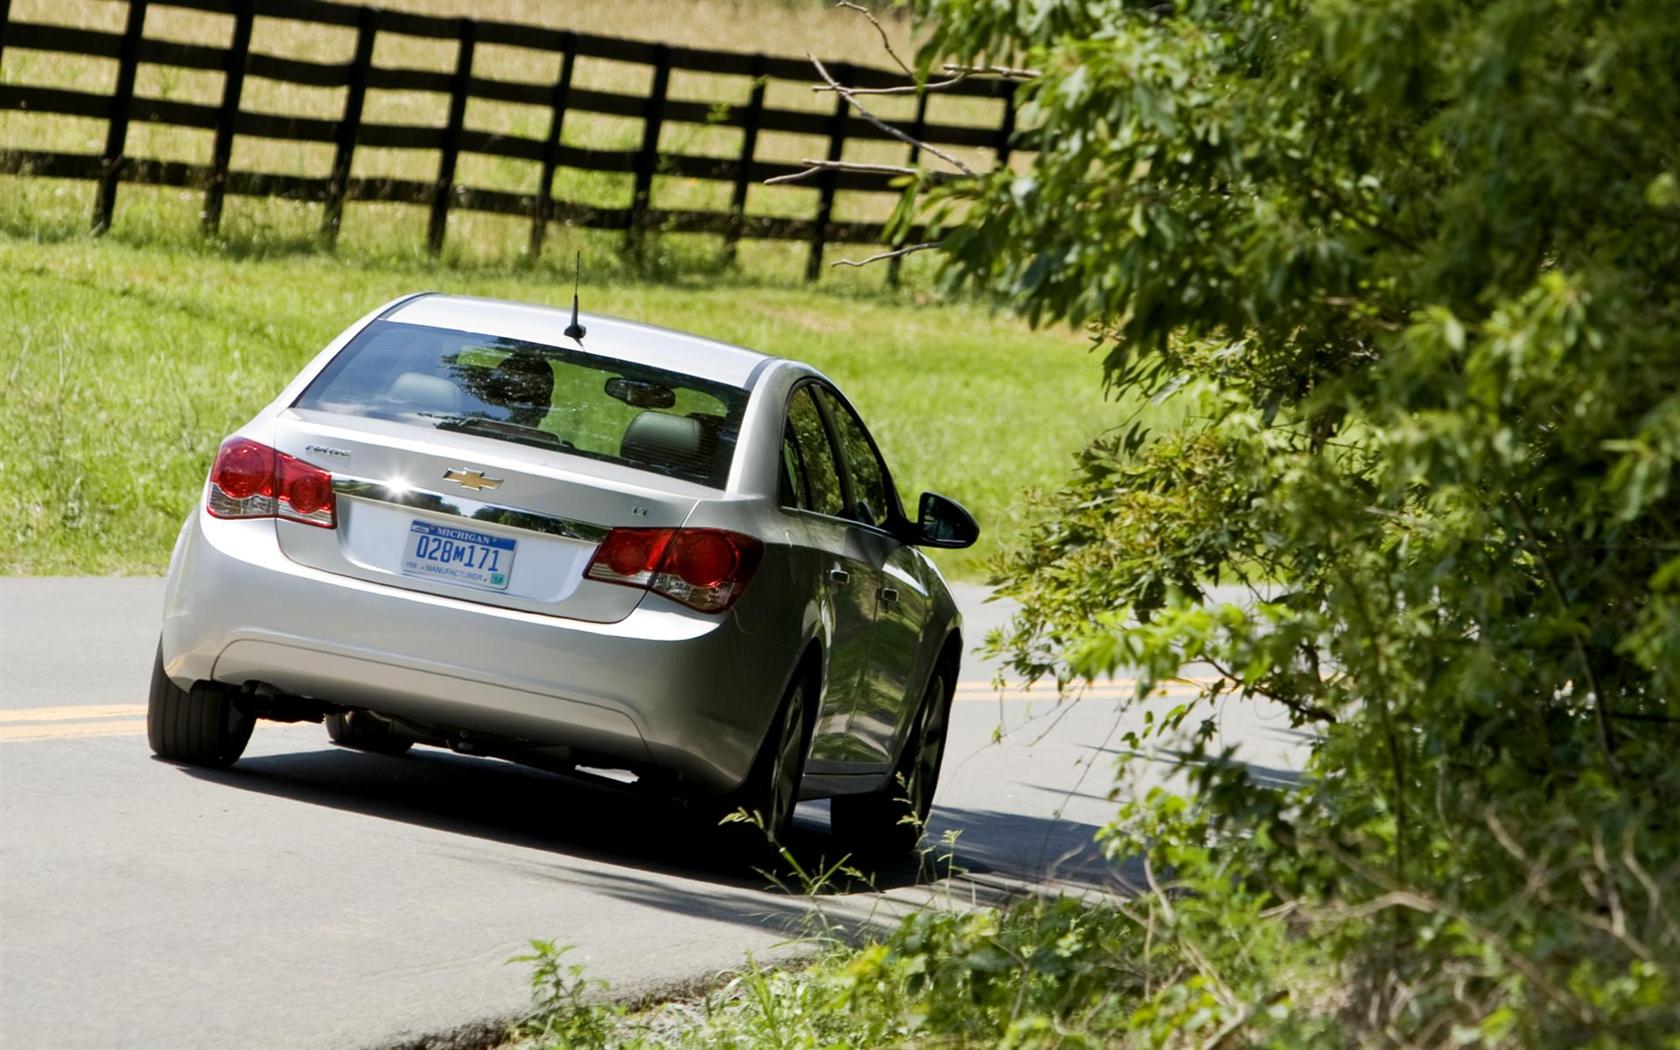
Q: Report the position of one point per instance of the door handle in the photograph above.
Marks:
(839, 575)
(888, 595)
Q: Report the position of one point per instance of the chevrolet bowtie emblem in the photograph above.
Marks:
(472, 479)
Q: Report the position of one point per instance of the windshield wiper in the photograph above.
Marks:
(497, 428)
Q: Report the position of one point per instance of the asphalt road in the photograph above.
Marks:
(317, 897)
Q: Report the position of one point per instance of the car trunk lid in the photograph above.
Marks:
(471, 517)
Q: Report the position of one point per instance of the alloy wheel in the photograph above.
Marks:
(930, 749)
(784, 773)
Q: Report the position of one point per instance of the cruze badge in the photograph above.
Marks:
(472, 479)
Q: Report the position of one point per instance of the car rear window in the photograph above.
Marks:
(529, 393)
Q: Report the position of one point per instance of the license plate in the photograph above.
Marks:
(443, 552)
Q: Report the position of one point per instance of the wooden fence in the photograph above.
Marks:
(238, 60)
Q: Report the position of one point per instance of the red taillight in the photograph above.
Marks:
(705, 569)
(633, 554)
(251, 480)
(307, 489)
(243, 469)
(704, 557)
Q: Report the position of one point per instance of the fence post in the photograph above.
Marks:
(749, 146)
(1006, 129)
(558, 99)
(338, 183)
(116, 136)
(445, 187)
(829, 179)
(233, 83)
(647, 159)
(917, 126)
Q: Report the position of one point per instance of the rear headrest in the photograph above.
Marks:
(419, 392)
(662, 440)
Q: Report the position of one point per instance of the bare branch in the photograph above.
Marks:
(902, 89)
(1155, 888)
(814, 166)
(1003, 72)
(847, 94)
(1235, 1024)
(897, 253)
(865, 12)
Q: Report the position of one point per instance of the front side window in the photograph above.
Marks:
(533, 394)
(810, 438)
(870, 503)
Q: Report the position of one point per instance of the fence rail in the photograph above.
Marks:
(237, 61)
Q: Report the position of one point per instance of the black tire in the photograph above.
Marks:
(201, 726)
(365, 732)
(771, 790)
(877, 825)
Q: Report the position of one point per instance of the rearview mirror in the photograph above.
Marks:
(640, 393)
(942, 522)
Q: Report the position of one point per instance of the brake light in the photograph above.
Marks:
(251, 480)
(705, 569)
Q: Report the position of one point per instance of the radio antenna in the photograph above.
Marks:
(576, 330)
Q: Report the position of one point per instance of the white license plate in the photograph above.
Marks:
(443, 552)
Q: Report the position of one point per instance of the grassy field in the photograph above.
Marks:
(127, 359)
(781, 27)
(126, 364)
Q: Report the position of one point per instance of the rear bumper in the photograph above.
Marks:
(665, 686)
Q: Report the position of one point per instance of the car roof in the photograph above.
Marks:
(613, 337)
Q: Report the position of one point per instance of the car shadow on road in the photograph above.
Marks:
(515, 805)
(1020, 850)
(501, 802)
(1175, 759)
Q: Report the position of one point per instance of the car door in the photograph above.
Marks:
(827, 556)
(891, 683)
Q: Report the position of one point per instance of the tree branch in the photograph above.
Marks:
(1222, 1037)
(865, 12)
(1307, 710)
(813, 166)
(897, 253)
(902, 89)
(1601, 720)
(851, 99)
(1002, 72)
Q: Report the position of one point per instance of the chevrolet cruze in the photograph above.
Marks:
(582, 544)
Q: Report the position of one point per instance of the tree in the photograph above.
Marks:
(1413, 271)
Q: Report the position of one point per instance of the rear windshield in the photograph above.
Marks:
(532, 394)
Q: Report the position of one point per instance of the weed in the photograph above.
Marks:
(562, 1012)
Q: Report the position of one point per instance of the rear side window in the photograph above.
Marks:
(792, 482)
(533, 394)
(816, 457)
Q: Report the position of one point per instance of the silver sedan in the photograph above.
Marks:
(606, 548)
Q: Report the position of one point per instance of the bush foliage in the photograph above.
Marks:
(1412, 272)
(1415, 269)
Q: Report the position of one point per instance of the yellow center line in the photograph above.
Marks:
(59, 723)
(1106, 683)
(69, 714)
(12, 734)
(1115, 689)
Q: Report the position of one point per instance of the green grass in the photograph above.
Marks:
(125, 364)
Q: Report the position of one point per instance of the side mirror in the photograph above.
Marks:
(942, 522)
